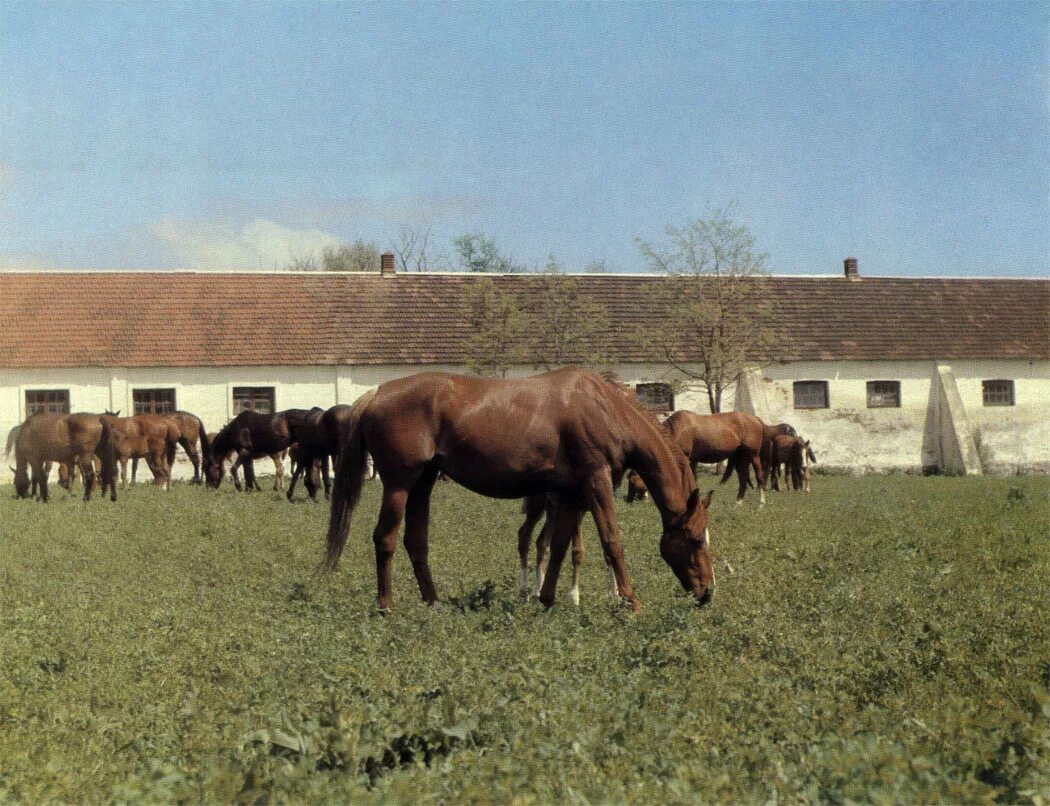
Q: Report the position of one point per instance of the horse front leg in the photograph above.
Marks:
(603, 509)
(236, 466)
(39, 480)
(312, 477)
(251, 482)
(297, 471)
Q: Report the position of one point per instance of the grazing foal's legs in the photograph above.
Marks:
(533, 508)
(564, 524)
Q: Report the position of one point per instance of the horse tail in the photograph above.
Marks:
(205, 444)
(107, 452)
(346, 491)
(730, 467)
(12, 437)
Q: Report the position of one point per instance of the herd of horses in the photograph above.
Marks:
(563, 441)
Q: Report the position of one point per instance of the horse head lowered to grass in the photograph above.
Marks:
(569, 432)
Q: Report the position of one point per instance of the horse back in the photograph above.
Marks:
(500, 437)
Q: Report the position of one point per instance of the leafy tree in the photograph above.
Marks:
(480, 254)
(711, 327)
(564, 324)
(499, 329)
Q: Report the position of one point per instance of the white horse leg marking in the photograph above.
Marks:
(707, 542)
(523, 583)
(614, 589)
(539, 579)
(574, 593)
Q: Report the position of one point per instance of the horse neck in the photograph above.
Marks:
(663, 469)
(220, 446)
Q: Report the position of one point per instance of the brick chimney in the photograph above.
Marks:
(386, 264)
(850, 264)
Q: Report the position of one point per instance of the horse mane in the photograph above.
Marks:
(631, 395)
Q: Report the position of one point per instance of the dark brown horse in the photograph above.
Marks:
(732, 437)
(313, 447)
(71, 439)
(569, 432)
(278, 466)
(251, 435)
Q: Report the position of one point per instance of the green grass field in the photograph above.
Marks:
(884, 640)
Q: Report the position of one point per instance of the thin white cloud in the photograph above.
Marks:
(25, 261)
(259, 244)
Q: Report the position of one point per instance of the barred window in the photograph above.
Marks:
(153, 401)
(811, 394)
(884, 394)
(253, 398)
(998, 393)
(48, 401)
(655, 396)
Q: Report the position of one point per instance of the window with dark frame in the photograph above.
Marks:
(884, 394)
(153, 401)
(253, 398)
(997, 393)
(811, 394)
(47, 401)
(655, 396)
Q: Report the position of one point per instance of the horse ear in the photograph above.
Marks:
(692, 502)
(707, 499)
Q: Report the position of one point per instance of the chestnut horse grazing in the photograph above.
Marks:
(191, 431)
(251, 435)
(146, 436)
(569, 432)
(795, 454)
(734, 437)
(71, 439)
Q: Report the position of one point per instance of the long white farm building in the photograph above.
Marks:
(881, 373)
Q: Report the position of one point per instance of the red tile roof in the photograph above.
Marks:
(166, 319)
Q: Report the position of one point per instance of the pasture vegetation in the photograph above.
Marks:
(884, 639)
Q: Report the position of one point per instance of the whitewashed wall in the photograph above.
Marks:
(847, 435)
(850, 435)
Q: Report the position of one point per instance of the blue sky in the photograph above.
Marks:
(242, 135)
